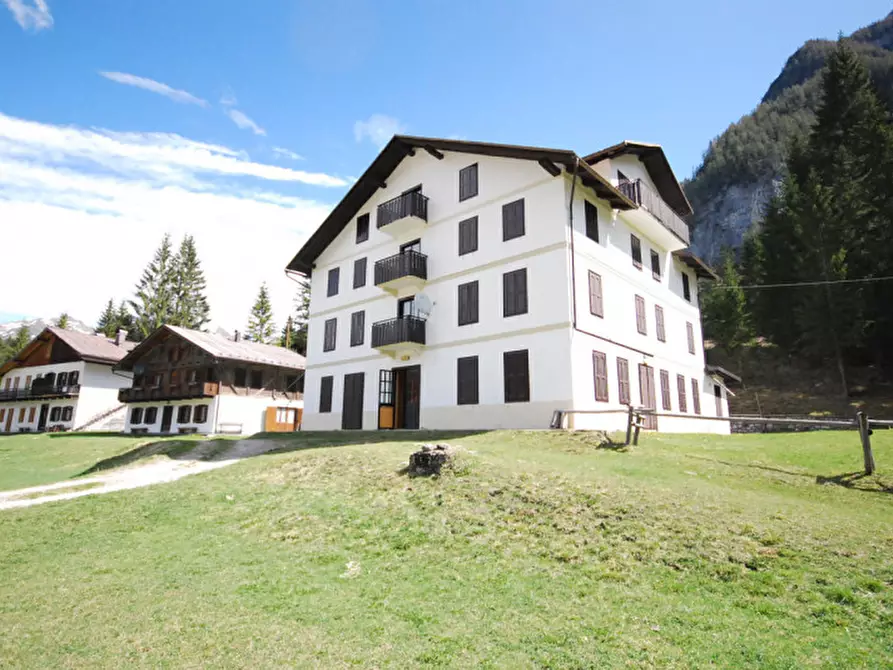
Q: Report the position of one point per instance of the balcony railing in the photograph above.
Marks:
(642, 195)
(404, 264)
(408, 204)
(403, 329)
(178, 392)
(37, 391)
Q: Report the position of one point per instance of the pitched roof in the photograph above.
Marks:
(90, 347)
(222, 347)
(655, 161)
(702, 270)
(401, 146)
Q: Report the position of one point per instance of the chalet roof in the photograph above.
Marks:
(726, 375)
(655, 161)
(702, 270)
(401, 146)
(221, 347)
(93, 348)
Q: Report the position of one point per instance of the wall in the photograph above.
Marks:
(155, 427)
(99, 393)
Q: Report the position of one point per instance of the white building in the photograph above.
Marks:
(63, 380)
(188, 381)
(526, 318)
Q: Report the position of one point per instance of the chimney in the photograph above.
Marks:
(237, 336)
(120, 337)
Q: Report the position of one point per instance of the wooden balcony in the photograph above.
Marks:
(403, 217)
(400, 337)
(40, 391)
(402, 274)
(651, 205)
(161, 393)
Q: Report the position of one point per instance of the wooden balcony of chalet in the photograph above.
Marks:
(652, 205)
(169, 392)
(403, 217)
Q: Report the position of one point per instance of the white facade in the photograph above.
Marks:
(560, 355)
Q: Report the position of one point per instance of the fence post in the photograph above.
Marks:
(865, 436)
(638, 426)
(629, 426)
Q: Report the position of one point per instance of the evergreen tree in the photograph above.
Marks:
(260, 323)
(124, 320)
(302, 317)
(725, 310)
(18, 341)
(62, 321)
(287, 338)
(191, 306)
(108, 320)
(155, 292)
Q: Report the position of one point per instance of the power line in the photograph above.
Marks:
(806, 283)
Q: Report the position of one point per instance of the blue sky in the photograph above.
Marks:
(271, 107)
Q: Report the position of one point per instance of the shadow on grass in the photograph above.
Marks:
(754, 466)
(175, 449)
(857, 481)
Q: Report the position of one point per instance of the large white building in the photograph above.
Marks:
(550, 282)
(63, 380)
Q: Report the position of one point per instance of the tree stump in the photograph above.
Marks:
(429, 460)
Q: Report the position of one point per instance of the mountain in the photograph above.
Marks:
(36, 325)
(742, 167)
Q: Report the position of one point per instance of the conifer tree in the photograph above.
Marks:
(260, 323)
(18, 341)
(108, 320)
(62, 321)
(302, 316)
(287, 338)
(124, 320)
(726, 314)
(155, 293)
(191, 305)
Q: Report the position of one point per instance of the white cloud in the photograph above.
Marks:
(285, 153)
(30, 15)
(174, 94)
(103, 200)
(243, 121)
(378, 129)
(228, 99)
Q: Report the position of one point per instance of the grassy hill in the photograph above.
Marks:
(539, 549)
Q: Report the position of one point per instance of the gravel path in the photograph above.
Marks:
(136, 476)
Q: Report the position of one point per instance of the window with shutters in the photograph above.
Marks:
(200, 415)
(357, 328)
(600, 375)
(655, 265)
(623, 380)
(334, 276)
(513, 220)
(516, 376)
(468, 236)
(257, 379)
(31, 413)
(686, 288)
(55, 413)
(468, 182)
(67, 413)
(325, 394)
(467, 380)
(514, 292)
(695, 396)
(330, 332)
(659, 326)
(690, 332)
(591, 221)
(359, 273)
(680, 390)
(596, 304)
(468, 303)
(641, 323)
(636, 250)
(136, 415)
(184, 413)
(665, 400)
(151, 415)
(362, 228)
(240, 377)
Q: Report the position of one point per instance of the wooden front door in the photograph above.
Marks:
(352, 406)
(647, 395)
(42, 419)
(167, 417)
(410, 391)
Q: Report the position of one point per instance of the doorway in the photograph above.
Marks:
(399, 391)
(647, 395)
(167, 416)
(42, 418)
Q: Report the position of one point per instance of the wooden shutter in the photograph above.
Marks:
(334, 275)
(596, 304)
(695, 396)
(359, 272)
(635, 245)
(357, 328)
(467, 380)
(468, 303)
(591, 221)
(690, 331)
(647, 395)
(655, 265)
(516, 376)
(362, 228)
(468, 182)
(330, 334)
(325, 394)
(659, 323)
(680, 389)
(513, 220)
(468, 235)
(352, 401)
(686, 287)
(666, 402)
(641, 324)
(600, 374)
(514, 292)
(623, 380)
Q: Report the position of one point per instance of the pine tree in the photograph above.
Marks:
(62, 321)
(191, 305)
(287, 338)
(155, 292)
(18, 341)
(302, 317)
(725, 310)
(124, 320)
(108, 320)
(260, 322)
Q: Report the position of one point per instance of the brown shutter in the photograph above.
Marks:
(359, 272)
(325, 394)
(357, 328)
(468, 303)
(659, 323)
(596, 305)
(468, 235)
(600, 374)
(330, 332)
(514, 292)
(516, 373)
(695, 396)
(680, 389)
(666, 403)
(513, 220)
(467, 380)
(690, 331)
(623, 380)
(641, 324)
(334, 275)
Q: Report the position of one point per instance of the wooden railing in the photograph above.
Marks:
(40, 391)
(404, 264)
(408, 204)
(399, 330)
(178, 392)
(642, 195)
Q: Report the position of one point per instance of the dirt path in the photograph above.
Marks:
(136, 476)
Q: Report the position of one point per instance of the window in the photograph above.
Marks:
(155, 381)
(357, 328)
(596, 304)
(184, 413)
(31, 413)
(600, 374)
(467, 380)
(61, 380)
(200, 415)
(175, 377)
(285, 415)
(591, 220)
(680, 390)
(325, 394)
(330, 332)
(468, 236)
(686, 288)
(636, 250)
(695, 396)
(468, 182)
(623, 380)
(240, 378)
(359, 273)
(67, 413)
(362, 228)
(513, 220)
(151, 415)
(690, 332)
(468, 303)
(717, 395)
(666, 403)
(210, 374)
(192, 376)
(641, 323)
(659, 323)
(516, 376)
(334, 277)
(257, 379)
(55, 413)
(136, 415)
(514, 292)
(28, 380)
(655, 265)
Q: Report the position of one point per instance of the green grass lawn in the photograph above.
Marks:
(537, 550)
